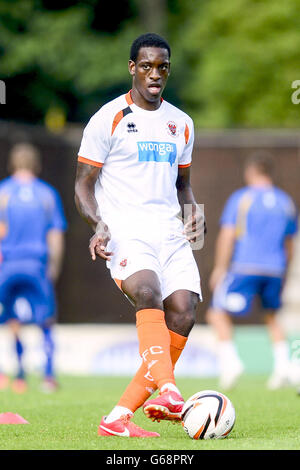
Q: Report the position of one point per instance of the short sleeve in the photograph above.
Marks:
(292, 222)
(229, 214)
(4, 199)
(185, 159)
(95, 143)
(57, 219)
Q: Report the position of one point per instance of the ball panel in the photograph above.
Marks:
(196, 419)
(202, 431)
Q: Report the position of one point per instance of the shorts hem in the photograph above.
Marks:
(122, 277)
(197, 290)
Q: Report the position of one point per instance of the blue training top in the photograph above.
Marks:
(28, 210)
(263, 217)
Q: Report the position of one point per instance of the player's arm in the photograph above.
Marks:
(291, 232)
(3, 215)
(195, 226)
(223, 254)
(289, 246)
(56, 249)
(3, 229)
(85, 201)
(289, 249)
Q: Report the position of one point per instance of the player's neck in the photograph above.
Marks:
(23, 175)
(141, 102)
(260, 182)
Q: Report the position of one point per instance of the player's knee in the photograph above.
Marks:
(148, 297)
(188, 320)
(181, 321)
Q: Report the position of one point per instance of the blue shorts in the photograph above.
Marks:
(26, 293)
(235, 294)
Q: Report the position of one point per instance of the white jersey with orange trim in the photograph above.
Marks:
(139, 152)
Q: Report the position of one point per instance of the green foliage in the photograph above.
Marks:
(233, 61)
(241, 58)
(62, 54)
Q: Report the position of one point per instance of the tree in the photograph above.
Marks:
(241, 58)
(233, 61)
(54, 58)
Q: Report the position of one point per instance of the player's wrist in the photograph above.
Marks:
(101, 228)
(95, 224)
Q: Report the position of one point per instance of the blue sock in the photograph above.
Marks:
(19, 351)
(49, 351)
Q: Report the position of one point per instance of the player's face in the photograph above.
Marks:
(251, 174)
(150, 73)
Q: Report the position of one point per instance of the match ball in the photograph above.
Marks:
(208, 415)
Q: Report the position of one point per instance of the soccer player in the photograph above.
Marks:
(32, 225)
(253, 251)
(132, 183)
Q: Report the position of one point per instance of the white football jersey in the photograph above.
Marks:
(139, 153)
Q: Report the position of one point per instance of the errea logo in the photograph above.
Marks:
(157, 152)
(131, 127)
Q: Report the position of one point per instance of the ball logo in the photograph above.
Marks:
(123, 263)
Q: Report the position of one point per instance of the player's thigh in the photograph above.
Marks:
(38, 293)
(48, 300)
(271, 293)
(235, 294)
(143, 289)
(179, 270)
(7, 297)
(136, 270)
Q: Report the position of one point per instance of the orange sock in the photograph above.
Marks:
(142, 385)
(154, 341)
(178, 343)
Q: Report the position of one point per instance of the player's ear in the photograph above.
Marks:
(131, 67)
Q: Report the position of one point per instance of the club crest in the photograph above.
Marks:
(172, 129)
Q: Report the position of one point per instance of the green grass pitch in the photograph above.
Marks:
(68, 419)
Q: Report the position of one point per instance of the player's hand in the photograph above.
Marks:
(195, 227)
(99, 241)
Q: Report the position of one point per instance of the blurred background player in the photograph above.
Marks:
(32, 225)
(253, 251)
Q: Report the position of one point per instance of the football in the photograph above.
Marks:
(208, 415)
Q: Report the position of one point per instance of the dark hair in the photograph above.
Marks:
(262, 160)
(148, 40)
